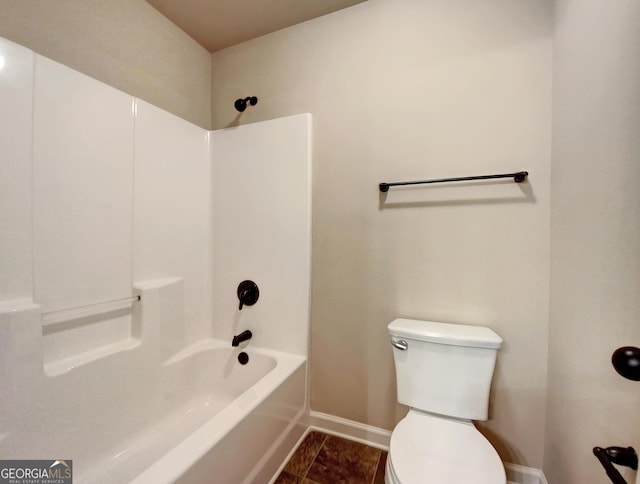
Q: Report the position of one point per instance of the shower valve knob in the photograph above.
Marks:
(248, 293)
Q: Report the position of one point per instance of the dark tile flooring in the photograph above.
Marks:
(327, 459)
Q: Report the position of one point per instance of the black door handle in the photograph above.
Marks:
(624, 456)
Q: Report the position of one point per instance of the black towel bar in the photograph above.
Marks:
(518, 177)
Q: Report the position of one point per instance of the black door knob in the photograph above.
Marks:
(626, 361)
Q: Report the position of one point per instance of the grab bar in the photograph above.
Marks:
(52, 317)
(518, 177)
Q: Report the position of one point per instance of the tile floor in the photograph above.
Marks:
(326, 459)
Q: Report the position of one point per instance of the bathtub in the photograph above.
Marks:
(127, 413)
(228, 423)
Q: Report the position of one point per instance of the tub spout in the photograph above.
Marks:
(244, 336)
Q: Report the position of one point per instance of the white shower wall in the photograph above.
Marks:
(16, 99)
(82, 189)
(262, 213)
(172, 211)
(100, 190)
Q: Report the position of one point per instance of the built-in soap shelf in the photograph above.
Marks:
(97, 337)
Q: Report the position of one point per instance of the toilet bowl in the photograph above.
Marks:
(427, 448)
(443, 373)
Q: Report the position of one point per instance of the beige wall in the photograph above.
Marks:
(595, 235)
(124, 43)
(413, 89)
(403, 89)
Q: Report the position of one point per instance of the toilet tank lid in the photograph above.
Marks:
(445, 333)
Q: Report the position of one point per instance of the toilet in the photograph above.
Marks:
(443, 374)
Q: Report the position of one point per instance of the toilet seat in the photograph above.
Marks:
(426, 448)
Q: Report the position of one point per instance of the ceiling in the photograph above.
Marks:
(216, 24)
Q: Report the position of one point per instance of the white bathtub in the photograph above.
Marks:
(149, 408)
(230, 423)
(132, 415)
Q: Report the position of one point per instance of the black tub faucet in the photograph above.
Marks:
(244, 336)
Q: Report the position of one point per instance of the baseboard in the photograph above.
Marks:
(524, 475)
(366, 434)
(380, 438)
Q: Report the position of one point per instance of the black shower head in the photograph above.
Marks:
(241, 104)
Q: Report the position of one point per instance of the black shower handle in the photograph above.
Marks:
(248, 293)
(244, 295)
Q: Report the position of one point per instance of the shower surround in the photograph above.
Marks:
(124, 232)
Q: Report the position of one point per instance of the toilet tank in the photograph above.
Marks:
(446, 368)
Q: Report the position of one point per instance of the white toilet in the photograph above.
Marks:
(443, 374)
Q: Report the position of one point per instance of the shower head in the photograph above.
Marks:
(241, 104)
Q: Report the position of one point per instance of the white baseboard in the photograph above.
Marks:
(366, 434)
(524, 475)
(380, 438)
